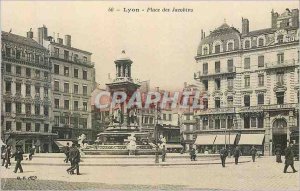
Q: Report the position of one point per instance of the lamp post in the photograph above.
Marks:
(156, 133)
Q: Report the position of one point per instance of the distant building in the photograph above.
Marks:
(26, 93)
(250, 81)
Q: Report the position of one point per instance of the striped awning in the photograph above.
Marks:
(62, 144)
(174, 146)
(251, 139)
(221, 139)
(205, 140)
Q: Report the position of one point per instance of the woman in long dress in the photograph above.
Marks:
(278, 154)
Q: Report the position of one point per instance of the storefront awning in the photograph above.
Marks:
(220, 140)
(251, 139)
(61, 144)
(174, 146)
(205, 140)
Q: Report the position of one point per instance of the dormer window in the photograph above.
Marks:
(280, 38)
(205, 51)
(230, 46)
(217, 49)
(247, 44)
(261, 42)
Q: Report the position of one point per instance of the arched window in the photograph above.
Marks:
(247, 44)
(279, 123)
(205, 51)
(230, 46)
(261, 42)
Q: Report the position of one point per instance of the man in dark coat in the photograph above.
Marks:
(223, 155)
(67, 152)
(278, 154)
(75, 159)
(163, 154)
(7, 156)
(289, 158)
(236, 153)
(3, 154)
(193, 154)
(253, 152)
(18, 157)
(31, 152)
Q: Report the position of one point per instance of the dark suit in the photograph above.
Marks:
(7, 157)
(163, 155)
(289, 159)
(278, 155)
(223, 155)
(193, 155)
(75, 159)
(18, 157)
(236, 154)
(253, 152)
(67, 153)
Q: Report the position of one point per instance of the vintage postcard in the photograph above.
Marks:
(150, 95)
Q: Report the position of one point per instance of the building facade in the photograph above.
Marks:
(250, 81)
(26, 93)
(73, 80)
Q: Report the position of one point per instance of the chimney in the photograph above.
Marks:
(30, 34)
(42, 34)
(59, 40)
(274, 17)
(245, 26)
(68, 40)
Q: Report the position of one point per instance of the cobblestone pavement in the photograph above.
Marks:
(264, 174)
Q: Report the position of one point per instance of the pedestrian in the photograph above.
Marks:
(193, 154)
(223, 155)
(278, 154)
(67, 152)
(71, 157)
(289, 158)
(237, 153)
(3, 154)
(18, 158)
(163, 154)
(253, 152)
(7, 156)
(31, 152)
(75, 159)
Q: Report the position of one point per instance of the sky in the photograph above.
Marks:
(162, 45)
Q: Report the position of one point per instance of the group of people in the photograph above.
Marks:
(289, 157)
(73, 155)
(6, 154)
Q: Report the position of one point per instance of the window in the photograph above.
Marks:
(29, 56)
(247, 44)
(223, 123)
(46, 75)
(18, 88)
(253, 122)
(230, 83)
(28, 72)
(7, 86)
(217, 84)
(217, 124)
(230, 123)
(247, 100)
(246, 122)
(205, 51)
(280, 39)
(280, 78)
(84, 74)
(37, 58)
(217, 67)
(66, 71)
(56, 103)
(217, 49)
(261, 42)
(75, 105)
(18, 54)
(66, 87)
(28, 89)
(18, 107)
(66, 104)
(230, 46)
(8, 68)
(217, 103)
(66, 55)
(205, 84)
(37, 73)
(37, 91)
(260, 122)
(84, 59)
(280, 98)
(37, 127)
(205, 123)
(46, 110)
(46, 128)
(247, 81)
(246, 63)
(211, 124)
(84, 90)
(37, 109)
(261, 61)
(260, 99)
(261, 79)
(8, 107)
(205, 103)
(56, 85)
(229, 101)
(45, 92)
(8, 125)
(230, 65)
(56, 52)
(28, 126)
(18, 126)
(28, 108)
(56, 69)
(56, 120)
(84, 106)
(75, 73)
(18, 70)
(75, 88)
(170, 117)
(8, 51)
(75, 57)
(280, 58)
(205, 68)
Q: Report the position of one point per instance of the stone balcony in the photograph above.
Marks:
(202, 74)
(211, 111)
(286, 63)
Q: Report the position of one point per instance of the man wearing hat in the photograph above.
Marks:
(289, 158)
(18, 158)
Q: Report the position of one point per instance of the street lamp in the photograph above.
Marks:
(156, 133)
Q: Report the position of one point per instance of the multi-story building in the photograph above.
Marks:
(73, 80)
(26, 93)
(250, 81)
